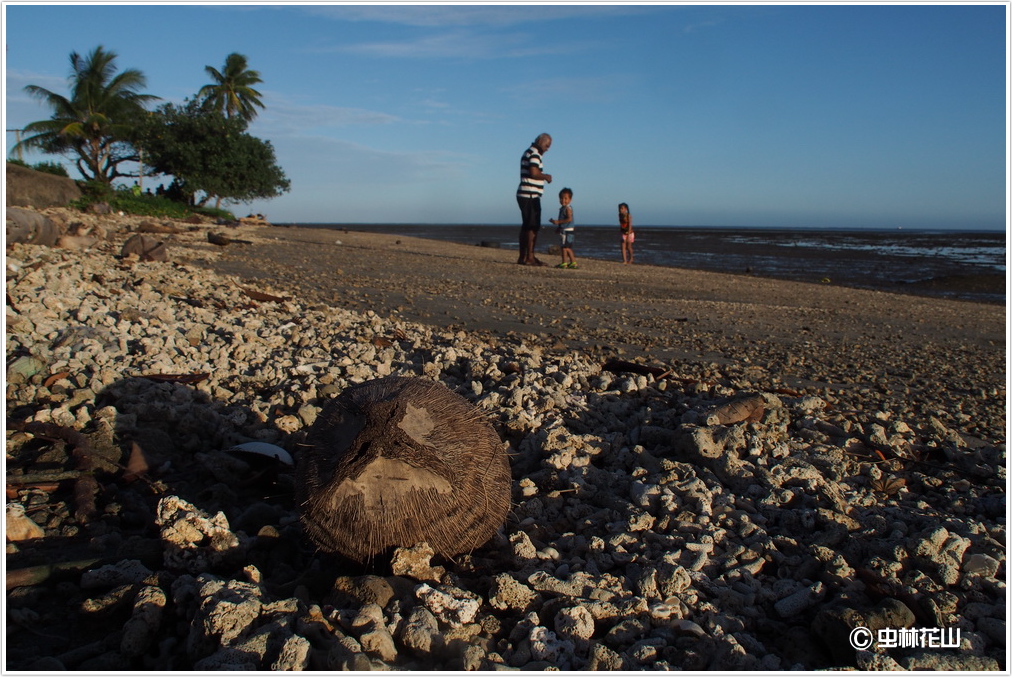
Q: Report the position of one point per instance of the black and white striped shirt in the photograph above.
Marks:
(530, 187)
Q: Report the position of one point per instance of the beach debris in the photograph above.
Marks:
(185, 379)
(262, 297)
(55, 378)
(85, 486)
(40, 573)
(218, 239)
(145, 248)
(137, 464)
(888, 484)
(264, 449)
(749, 407)
(398, 461)
(622, 366)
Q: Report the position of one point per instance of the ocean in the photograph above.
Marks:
(958, 264)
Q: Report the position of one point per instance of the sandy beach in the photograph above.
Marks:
(708, 471)
(795, 334)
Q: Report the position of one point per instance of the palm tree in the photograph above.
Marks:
(232, 92)
(99, 118)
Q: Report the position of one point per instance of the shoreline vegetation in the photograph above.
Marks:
(709, 471)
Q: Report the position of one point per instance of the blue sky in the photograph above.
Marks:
(766, 115)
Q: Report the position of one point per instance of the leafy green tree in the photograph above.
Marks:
(96, 124)
(232, 91)
(209, 153)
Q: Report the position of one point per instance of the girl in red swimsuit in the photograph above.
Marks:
(625, 225)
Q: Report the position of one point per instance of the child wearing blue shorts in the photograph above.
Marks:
(566, 228)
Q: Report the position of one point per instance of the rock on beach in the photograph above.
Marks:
(861, 482)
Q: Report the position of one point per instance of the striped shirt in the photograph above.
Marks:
(530, 187)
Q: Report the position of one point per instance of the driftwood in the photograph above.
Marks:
(620, 366)
(39, 574)
(186, 379)
(85, 485)
(400, 461)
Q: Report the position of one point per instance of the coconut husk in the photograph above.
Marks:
(398, 461)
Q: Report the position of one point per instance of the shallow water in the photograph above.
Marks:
(967, 265)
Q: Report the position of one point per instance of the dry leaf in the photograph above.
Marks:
(55, 377)
(888, 484)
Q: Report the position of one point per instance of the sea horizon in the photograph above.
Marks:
(433, 224)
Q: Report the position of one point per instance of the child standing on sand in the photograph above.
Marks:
(625, 225)
(566, 229)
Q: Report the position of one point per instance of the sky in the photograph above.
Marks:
(853, 115)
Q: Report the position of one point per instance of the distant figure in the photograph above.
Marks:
(628, 237)
(566, 228)
(532, 185)
(136, 190)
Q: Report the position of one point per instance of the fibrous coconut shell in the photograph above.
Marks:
(400, 461)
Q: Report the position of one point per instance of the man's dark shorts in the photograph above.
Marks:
(530, 211)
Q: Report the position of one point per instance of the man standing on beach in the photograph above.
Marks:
(532, 185)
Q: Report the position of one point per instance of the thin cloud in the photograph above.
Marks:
(18, 80)
(470, 15)
(319, 160)
(286, 117)
(461, 44)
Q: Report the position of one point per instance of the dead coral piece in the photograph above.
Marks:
(20, 527)
(193, 540)
(415, 562)
(748, 408)
(398, 461)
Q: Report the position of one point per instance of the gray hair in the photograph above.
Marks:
(542, 137)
